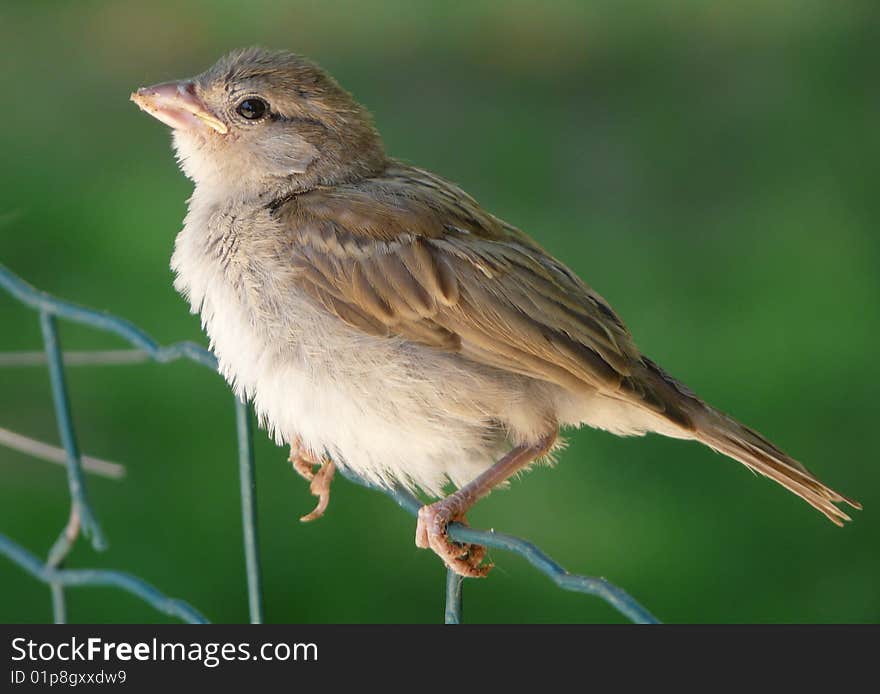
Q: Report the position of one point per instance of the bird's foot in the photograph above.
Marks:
(303, 460)
(465, 559)
(319, 480)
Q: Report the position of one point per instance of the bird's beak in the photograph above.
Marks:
(177, 105)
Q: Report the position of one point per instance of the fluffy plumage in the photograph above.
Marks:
(377, 312)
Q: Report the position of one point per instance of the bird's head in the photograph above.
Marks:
(261, 122)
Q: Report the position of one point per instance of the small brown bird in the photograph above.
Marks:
(381, 320)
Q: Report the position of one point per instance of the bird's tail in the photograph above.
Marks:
(725, 435)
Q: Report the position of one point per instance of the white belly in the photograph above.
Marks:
(388, 410)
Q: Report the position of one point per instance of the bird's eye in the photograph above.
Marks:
(252, 108)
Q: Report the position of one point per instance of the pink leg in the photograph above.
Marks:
(431, 529)
(320, 487)
(302, 459)
(319, 481)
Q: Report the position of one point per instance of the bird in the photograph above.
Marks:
(380, 320)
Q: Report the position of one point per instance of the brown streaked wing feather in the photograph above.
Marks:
(410, 254)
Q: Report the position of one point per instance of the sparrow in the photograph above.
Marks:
(381, 320)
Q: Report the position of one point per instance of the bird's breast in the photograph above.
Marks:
(389, 409)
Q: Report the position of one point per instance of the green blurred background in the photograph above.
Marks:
(710, 168)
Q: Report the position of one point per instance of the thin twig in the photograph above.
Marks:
(53, 454)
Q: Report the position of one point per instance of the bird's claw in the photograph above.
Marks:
(319, 480)
(302, 459)
(465, 559)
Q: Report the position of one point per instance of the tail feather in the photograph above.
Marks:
(657, 390)
(727, 436)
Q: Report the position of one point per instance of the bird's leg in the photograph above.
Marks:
(431, 529)
(303, 460)
(320, 487)
(319, 480)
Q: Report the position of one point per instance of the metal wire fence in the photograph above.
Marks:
(83, 520)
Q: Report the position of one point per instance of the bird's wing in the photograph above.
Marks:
(410, 254)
